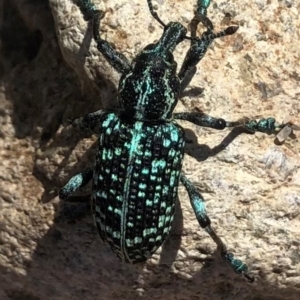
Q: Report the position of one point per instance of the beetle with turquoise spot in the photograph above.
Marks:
(140, 152)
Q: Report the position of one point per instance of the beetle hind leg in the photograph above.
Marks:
(75, 183)
(82, 205)
(197, 202)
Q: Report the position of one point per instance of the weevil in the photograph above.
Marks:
(138, 163)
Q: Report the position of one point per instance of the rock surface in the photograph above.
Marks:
(51, 71)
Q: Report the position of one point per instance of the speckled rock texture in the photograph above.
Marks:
(51, 71)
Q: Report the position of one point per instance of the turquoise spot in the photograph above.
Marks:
(116, 234)
(106, 123)
(165, 190)
(149, 203)
(129, 224)
(166, 143)
(104, 194)
(172, 178)
(127, 145)
(145, 171)
(118, 212)
(174, 135)
(148, 153)
(129, 243)
(161, 221)
(168, 210)
(104, 153)
(159, 163)
(141, 194)
(139, 150)
(156, 198)
(149, 231)
(142, 186)
(138, 240)
(158, 238)
(118, 151)
(199, 206)
(153, 178)
(166, 230)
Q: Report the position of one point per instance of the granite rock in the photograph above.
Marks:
(51, 71)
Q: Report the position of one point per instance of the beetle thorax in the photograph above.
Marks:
(150, 89)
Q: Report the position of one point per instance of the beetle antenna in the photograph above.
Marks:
(154, 14)
(211, 36)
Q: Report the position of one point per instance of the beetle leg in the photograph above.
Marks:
(116, 59)
(76, 182)
(198, 205)
(201, 119)
(72, 210)
(188, 68)
(200, 45)
(265, 125)
(202, 6)
(90, 122)
(197, 51)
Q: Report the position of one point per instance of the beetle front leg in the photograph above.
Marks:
(198, 205)
(202, 6)
(199, 46)
(268, 125)
(197, 51)
(116, 59)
